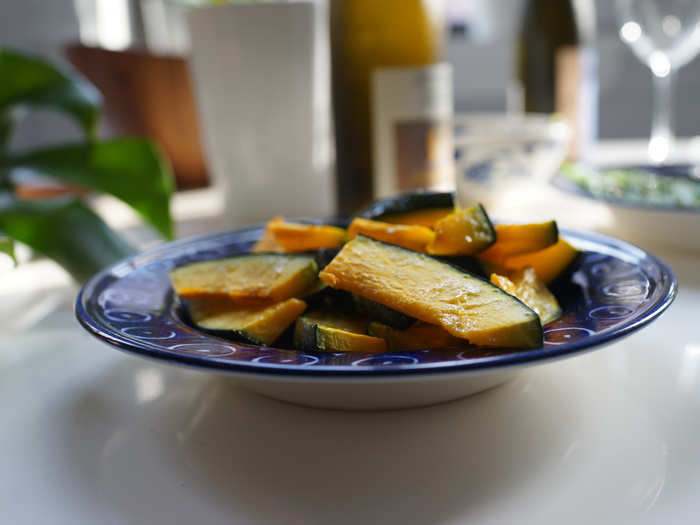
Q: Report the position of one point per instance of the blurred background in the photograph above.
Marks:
(480, 47)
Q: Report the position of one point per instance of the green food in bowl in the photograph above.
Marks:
(636, 186)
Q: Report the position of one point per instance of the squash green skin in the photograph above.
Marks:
(406, 203)
(305, 334)
(382, 314)
(432, 291)
(324, 331)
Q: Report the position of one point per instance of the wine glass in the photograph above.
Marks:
(665, 35)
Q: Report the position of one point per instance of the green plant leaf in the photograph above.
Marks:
(132, 170)
(64, 230)
(32, 81)
(7, 246)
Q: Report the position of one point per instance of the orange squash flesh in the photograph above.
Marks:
(548, 263)
(434, 292)
(530, 289)
(464, 232)
(514, 239)
(295, 237)
(537, 232)
(412, 237)
(267, 243)
(248, 278)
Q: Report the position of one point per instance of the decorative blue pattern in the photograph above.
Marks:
(615, 289)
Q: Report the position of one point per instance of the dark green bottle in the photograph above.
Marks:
(557, 64)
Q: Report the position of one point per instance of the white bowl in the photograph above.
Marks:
(673, 223)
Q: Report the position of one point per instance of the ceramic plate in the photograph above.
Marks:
(615, 289)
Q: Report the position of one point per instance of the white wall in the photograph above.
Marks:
(482, 69)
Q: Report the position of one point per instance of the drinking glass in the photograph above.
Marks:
(665, 35)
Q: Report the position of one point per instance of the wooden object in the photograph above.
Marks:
(152, 96)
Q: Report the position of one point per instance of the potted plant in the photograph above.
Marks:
(65, 228)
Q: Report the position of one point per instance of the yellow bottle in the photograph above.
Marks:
(368, 36)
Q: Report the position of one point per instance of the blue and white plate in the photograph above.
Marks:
(614, 290)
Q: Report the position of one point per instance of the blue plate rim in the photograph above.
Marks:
(667, 292)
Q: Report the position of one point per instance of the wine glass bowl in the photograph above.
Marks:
(502, 159)
(664, 35)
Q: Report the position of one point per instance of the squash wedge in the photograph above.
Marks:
(295, 237)
(267, 243)
(247, 278)
(526, 286)
(255, 324)
(549, 263)
(514, 239)
(419, 208)
(464, 232)
(411, 237)
(330, 331)
(420, 336)
(430, 290)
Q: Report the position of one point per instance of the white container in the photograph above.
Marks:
(262, 82)
(412, 113)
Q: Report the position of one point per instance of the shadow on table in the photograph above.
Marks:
(197, 442)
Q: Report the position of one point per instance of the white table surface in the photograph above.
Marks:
(92, 435)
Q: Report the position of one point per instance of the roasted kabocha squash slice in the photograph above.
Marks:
(419, 336)
(514, 239)
(247, 278)
(464, 232)
(419, 208)
(549, 263)
(261, 324)
(529, 288)
(267, 243)
(296, 237)
(432, 291)
(328, 331)
(409, 236)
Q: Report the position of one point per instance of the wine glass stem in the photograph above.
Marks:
(662, 120)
